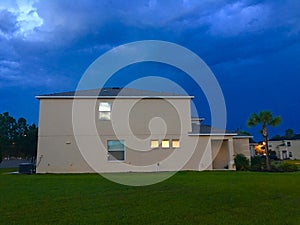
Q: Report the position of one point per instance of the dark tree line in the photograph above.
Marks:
(289, 134)
(17, 137)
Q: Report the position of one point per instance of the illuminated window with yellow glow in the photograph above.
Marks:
(154, 144)
(175, 143)
(165, 144)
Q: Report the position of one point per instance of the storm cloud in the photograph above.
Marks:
(47, 45)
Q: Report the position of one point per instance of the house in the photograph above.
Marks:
(123, 129)
(286, 148)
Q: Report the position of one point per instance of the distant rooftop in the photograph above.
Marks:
(114, 92)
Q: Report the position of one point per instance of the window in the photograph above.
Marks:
(154, 144)
(165, 144)
(289, 144)
(104, 110)
(175, 143)
(115, 150)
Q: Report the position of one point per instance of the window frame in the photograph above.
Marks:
(116, 150)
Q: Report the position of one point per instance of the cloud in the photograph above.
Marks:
(59, 39)
(237, 18)
(19, 19)
(47, 45)
(8, 24)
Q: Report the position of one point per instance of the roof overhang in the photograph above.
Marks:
(244, 136)
(214, 134)
(112, 97)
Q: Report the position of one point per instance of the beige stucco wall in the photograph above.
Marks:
(135, 121)
(72, 139)
(241, 146)
(220, 154)
(201, 158)
(294, 148)
(60, 154)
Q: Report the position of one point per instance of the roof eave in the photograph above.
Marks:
(212, 134)
(112, 97)
(243, 136)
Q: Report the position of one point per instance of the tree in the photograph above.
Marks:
(243, 132)
(1, 154)
(7, 130)
(31, 141)
(265, 118)
(276, 137)
(289, 133)
(17, 138)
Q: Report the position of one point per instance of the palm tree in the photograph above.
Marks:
(265, 118)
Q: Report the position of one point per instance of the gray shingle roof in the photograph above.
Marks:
(112, 92)
(206, 129)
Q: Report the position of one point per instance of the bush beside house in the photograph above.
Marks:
(241, 162)
(259, 164)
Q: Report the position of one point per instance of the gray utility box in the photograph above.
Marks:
(26, 168)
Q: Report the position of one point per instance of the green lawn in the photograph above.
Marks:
(186, 198)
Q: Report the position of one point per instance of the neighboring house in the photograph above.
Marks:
(252, 145)
(286, 148)
(135, 130)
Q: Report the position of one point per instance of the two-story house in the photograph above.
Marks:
(122, 130)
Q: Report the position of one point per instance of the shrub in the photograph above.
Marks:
(257, 163)
(276, 166)
(241, 162)
(288, 167)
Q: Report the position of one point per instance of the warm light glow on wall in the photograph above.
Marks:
(259, 149)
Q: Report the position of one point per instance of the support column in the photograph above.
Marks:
(231, 154)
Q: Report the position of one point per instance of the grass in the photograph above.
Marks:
(186, 198)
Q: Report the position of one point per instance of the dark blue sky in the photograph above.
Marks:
(252, 47)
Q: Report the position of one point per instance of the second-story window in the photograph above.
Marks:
(104, 110)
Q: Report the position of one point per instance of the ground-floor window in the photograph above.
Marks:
(154, 144)
(165, 144)
(115, 150)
